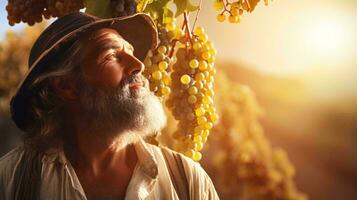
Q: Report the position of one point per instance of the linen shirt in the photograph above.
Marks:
(150, 179)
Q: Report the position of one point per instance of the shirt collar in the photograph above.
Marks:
(142, 181)
(146, 159)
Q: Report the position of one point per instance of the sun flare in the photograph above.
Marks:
(327, 38)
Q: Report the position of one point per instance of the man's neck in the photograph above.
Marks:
(96, 153)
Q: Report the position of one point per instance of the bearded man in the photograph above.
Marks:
(86, 109)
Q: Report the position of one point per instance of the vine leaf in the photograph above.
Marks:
(157, 8)
(98, 8)
(252, 4)
(141, 4)
(184, 6)
(168, 13)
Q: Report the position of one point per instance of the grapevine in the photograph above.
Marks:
(180, 70)
(233, 11)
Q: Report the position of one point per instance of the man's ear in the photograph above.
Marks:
(64, 88)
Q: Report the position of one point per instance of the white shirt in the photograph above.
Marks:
(150, 179)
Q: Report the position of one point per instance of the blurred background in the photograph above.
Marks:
(286, 91)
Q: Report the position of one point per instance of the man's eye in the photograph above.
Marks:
(112, 56)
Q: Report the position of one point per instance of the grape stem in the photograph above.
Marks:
(187, 28)
(186, 25)
(225, 3)
(198, 12)
(174, 43)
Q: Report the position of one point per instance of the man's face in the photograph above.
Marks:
(113, 94)
(109, 59)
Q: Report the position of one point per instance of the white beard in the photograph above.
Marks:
(127, 115)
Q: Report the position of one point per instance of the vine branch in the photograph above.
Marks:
(198, 12)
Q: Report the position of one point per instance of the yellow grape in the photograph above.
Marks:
(201, 120)
(185, 79)
(162, 49)
(197, 156)
(206, 55)
(200, 111)
(198, 146)
(192, 99)
(194, 63)
(221, 17)
(208, 125)
(218, 5)
(157, 75)
(192, 90)
(202, 65)
(165, 90)
(235, 11)
(199, 31)
(163, 65)
(197, 138)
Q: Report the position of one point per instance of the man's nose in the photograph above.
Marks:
(135, 66)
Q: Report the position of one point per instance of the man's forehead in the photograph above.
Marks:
(104, 35)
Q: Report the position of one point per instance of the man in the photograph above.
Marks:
(85, 109)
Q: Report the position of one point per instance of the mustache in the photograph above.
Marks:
(135, 78)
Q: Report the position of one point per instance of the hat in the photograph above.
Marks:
(138, 29)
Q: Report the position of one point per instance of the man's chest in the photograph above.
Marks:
(106, 187)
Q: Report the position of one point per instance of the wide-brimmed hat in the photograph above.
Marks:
(138, 29)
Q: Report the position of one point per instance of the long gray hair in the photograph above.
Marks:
(47, 106)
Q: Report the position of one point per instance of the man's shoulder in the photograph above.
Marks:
(189, 165)
(10, 160)
(201, 186)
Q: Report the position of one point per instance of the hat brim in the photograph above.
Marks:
(138, 29)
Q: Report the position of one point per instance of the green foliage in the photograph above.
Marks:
(184, 6)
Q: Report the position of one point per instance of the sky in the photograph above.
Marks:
(314, 40)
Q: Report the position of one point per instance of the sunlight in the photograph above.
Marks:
(327, 38)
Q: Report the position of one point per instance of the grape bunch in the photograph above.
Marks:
(57, 8)
(31, 11)
(28, 11)
(191, 100)
(158, 61)
(122, 8)
(233, 10)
